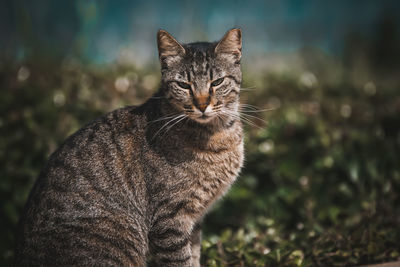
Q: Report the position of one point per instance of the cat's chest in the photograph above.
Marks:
(222, 165)
(210, 174)
(193, 171)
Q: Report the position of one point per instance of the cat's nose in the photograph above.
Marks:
(202, 106)
(202, 102)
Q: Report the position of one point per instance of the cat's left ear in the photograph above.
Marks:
(168, 47)
(231, 44)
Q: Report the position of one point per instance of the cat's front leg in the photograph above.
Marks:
(170, 241)
(195, 240)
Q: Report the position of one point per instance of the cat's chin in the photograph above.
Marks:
(204, 119)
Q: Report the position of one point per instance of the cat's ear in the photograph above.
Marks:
(168, 46)
(231, 44)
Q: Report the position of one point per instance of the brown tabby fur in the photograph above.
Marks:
(138, 181)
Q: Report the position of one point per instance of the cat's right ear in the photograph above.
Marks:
(168, 47)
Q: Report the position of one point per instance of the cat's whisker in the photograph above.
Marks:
(252, 108)
(253, 117)
(244, 117)
(233, 114)
(162, 118)
(248, 106)
(167, 123)
(257, 111)
(249, 122)
(248, 88)
(175, 123)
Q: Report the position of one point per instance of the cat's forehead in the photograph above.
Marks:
(199, 56)
(200, 60)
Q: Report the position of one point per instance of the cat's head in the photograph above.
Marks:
(202, 80)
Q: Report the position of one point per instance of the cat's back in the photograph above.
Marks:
(89, 153)
(89, 197)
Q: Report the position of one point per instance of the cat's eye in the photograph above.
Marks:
(217, 82)
(183, 85)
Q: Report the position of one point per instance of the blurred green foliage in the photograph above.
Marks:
(321, 180)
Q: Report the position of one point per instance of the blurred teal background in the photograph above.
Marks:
(105, 31)
(321, 181)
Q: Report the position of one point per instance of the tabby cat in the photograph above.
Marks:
(138, 181)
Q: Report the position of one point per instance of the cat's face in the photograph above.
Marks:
(202, 80)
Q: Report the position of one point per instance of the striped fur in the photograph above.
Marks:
(138, 181)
